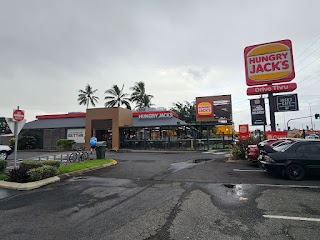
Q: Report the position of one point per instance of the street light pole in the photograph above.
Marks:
(295, 119)
(311, 117)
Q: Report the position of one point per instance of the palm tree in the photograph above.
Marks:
(86, 96)
(117, 97)
(145, 101)
(139, 95)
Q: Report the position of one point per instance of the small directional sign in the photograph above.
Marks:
(285, 103)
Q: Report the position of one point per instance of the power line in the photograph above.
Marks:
(308, 48)
(308, 65)
(311, 76)
(308, 56)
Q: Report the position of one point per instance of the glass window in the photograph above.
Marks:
(312, 148)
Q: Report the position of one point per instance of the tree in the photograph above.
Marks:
(186, 111)
(86, 96)
(117, 98)
(139, 95)
(4, 127)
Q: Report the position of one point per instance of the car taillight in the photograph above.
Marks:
(268, 159)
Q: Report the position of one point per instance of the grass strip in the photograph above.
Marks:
(82, 165)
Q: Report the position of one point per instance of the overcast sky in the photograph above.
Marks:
(180, 49)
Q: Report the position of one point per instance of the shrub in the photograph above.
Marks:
(32, 164)
(12, 142)
(238, 153)
(239, 150)
(4, 177)
(65, 144)
(53, 163)
(43, 172)
(19, 174)
(27, 142)
(3, 165)
(37, 164)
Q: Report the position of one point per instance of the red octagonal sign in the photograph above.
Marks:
(18, 115)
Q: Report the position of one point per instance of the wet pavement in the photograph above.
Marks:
(167, 196)
(5, 193)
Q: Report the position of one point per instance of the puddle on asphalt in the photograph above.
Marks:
(234, 189)
(175, 167)
(202, 160)
(80, 178)
(229, 194)
(5, 193)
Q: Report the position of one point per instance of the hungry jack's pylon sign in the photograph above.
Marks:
(269, 63)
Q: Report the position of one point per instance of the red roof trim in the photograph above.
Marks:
(136, 114)
(68, 115)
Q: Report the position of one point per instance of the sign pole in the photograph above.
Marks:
(16, 141)
(271, 109)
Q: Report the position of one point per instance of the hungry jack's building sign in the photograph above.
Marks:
(154, 115)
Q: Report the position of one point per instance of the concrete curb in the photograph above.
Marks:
(43, 182)
(30, 185)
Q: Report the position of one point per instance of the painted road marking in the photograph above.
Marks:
(216, 153)
(248, 170)
(293, 218)
(286, 186)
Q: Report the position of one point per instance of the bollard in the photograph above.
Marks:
(54, 157)
(61, 158)
(39, 158)
(47, 157)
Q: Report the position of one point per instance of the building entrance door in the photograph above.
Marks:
(105, 135)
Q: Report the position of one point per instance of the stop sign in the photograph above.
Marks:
(18, 115)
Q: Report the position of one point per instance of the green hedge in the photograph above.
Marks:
(65, 144)
(35, 163)
(43, 172)
(3, 165)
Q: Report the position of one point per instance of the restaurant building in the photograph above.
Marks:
(123, 129)
(148, 128)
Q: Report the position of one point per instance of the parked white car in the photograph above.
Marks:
(5, 151)
(312, 136)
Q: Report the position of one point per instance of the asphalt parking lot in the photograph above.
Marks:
(191, 195)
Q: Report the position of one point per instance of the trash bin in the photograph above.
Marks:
(101, 149)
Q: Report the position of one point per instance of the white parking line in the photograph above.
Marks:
(286, 186)
(248, 170)
(293, 218)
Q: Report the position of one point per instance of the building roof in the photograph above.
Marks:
(137, 122)
(67, 115)
(56, 123)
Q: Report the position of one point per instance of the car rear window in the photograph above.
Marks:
(284, 147)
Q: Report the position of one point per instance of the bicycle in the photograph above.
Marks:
(79, 155)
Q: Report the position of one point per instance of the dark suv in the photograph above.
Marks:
(294, 160)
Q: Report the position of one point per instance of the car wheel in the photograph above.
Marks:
(3, 155)
(295, 172)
